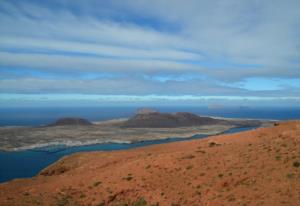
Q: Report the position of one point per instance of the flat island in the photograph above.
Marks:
(143, 126)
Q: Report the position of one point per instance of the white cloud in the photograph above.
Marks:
(135, 86)
(73, 63)
(224, 41)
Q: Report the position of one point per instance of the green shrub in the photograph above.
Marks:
(189, 167)
(296, 164)
(212, 144)
(188, 157)
(128, 178)
(140, 202)
(278, 157)
(290, 175)
(101, 204)
(97, 183)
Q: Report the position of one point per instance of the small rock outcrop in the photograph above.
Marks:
(71, 121)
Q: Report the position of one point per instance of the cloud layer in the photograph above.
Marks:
(199, 48)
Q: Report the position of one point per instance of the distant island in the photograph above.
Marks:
(146, 124)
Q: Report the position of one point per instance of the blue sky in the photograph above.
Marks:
(91, 52)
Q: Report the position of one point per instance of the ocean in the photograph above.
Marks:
(28, 163)
(46, 115)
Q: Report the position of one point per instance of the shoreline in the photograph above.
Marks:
(118, 120)
(22, 138)
(45, 155)
(70, 144)
(239, 166)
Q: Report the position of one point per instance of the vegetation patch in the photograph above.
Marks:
(62, 201)
(296, 164)
(290, 175)
(189, 167)
(82, 195)
(188, 157)
(128, 178)
(97, 183)
(140, 202)
(278, 157)
(213, 144)
(101, 204)
(201, 151)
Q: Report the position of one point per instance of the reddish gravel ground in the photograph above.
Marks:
(259, 167)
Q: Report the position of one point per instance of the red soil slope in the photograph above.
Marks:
(260, 167)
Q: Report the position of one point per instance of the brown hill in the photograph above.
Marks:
(258, 167)
(70, 121)
(168, 120)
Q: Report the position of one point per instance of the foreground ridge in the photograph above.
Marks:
(258, 167)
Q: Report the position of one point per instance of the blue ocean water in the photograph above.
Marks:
(46, 115)
(28, 163)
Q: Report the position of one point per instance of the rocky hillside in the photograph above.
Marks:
(168, 120)
(258, 167)
(155, 119)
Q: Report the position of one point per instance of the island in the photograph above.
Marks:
(144, 125)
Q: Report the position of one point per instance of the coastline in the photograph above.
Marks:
(30, 161)
(69, 144)
(83, 142)
(238, 166)
(22, 138)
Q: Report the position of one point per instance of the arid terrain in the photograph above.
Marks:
(19, 138)
(141, 127)
(258, 167)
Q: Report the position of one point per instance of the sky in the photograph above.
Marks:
(149, 52)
